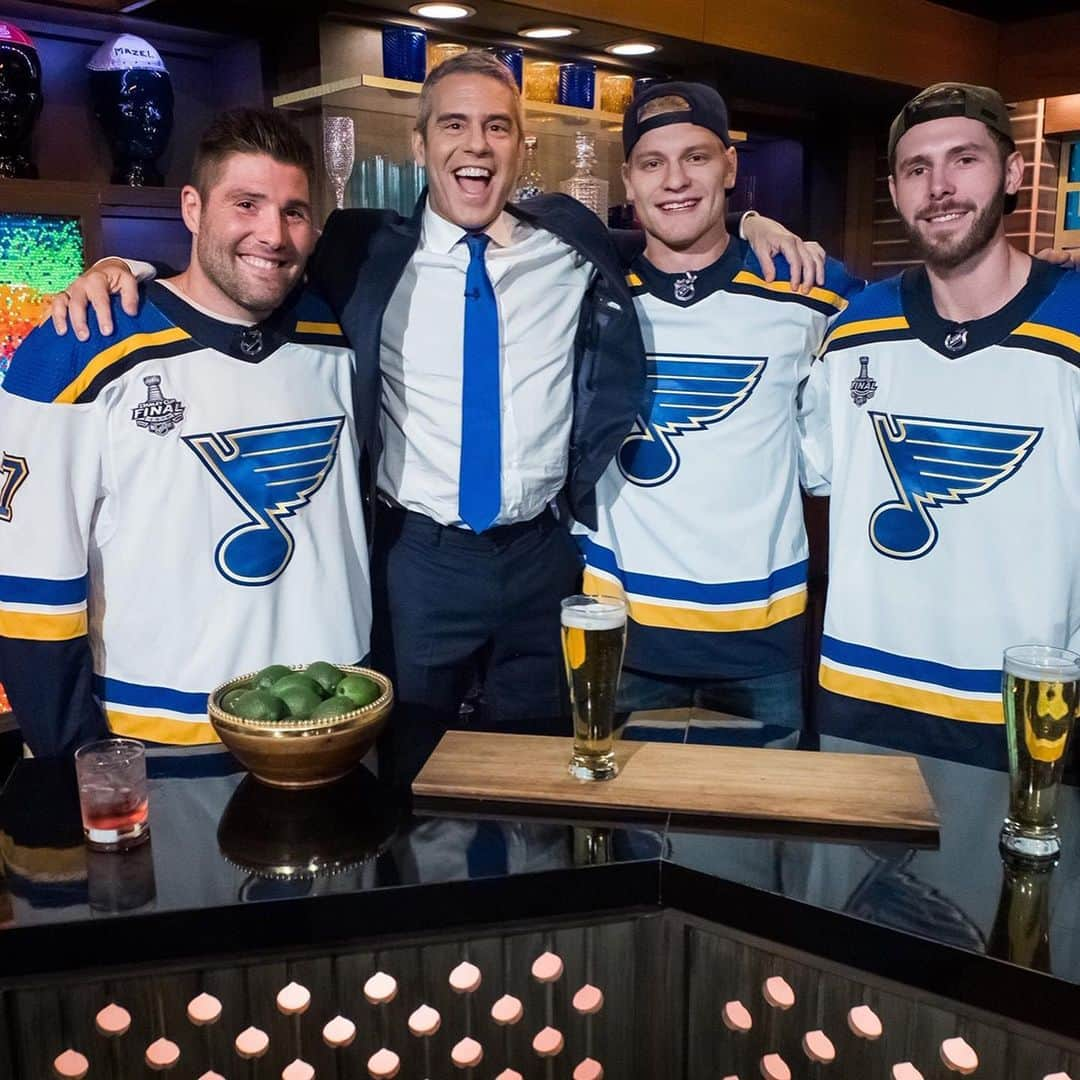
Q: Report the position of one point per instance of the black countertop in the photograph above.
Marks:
(271, 870)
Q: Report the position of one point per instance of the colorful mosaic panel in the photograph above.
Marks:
(39, 255)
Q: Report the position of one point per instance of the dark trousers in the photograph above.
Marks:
(452, 606)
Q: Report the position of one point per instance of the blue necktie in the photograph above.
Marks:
(479, 482)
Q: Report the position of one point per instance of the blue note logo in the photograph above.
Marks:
(683, 393)
(935, 463)
(270, 473)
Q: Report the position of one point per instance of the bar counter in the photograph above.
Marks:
(242, 890)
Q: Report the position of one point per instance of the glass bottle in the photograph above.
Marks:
(531, 181)
(583, 186)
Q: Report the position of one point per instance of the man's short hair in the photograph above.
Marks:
(473, 62)
(249, 131)
(669, 103)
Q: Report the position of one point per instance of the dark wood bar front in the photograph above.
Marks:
(717, 953)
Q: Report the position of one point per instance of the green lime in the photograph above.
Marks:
(269, 675)
(359, 689)
(297, 678)
(299, 700)
(258, 705)
(230, 698)
(334, 706)
(326, 675)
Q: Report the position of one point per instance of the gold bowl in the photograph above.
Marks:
(295, 753)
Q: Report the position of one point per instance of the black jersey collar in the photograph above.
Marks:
(685, 289)
(248, 343)
(958, 339)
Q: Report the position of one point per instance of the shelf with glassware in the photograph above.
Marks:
(382, 112)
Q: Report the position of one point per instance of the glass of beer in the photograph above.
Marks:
(1041, 692)
(593, 640)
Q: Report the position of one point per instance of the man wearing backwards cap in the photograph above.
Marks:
(700, 514)
(942, 417)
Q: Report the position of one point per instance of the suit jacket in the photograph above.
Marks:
(360, 259)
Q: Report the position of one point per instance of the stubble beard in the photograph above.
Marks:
(949, 254)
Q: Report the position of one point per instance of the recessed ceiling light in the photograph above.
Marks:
(443, 11)
(632, 48)
(548, 31)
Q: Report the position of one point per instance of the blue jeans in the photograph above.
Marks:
(773, 704)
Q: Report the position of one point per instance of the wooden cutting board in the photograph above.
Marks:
(859, 791)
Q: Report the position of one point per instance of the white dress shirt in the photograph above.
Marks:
(539, 284)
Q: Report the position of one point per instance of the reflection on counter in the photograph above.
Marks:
(307, 833)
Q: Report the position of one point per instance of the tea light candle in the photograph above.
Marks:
(252, 1043)
(547, 967)
(589, 1070)
(71, 1065)
(904, 1070)
(959, 1056)
(736, 1017)
(294, 999)
(204, 1009)
(424, 1021)
(298, 1070)
(778, 993)
(465, 978)
(507, 1010)
(864, 1022)
(589, 999)
(162, 1054)
(774, 1067)
(467, 1054)
(339, 1032)
(380, 988)
(548, 1042)
(383, 1064)
(113, 1021)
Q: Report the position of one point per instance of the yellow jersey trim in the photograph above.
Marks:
(867, 326)
(826, 296)
(1050, 333)
(718, 621)
(633, 281)
(161, 729)
(114, 353)
(332, 328)
(933, 702)
(33, 627)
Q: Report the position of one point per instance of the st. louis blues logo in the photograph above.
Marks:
(683, 393)
(269, 472)
(934, 463)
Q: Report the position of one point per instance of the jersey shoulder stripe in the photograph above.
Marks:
(310, 320)
(1054, 326)
(48, 367)
(830, 298)
(875, 314)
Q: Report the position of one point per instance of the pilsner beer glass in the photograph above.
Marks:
(1041, 691)
(593, 640)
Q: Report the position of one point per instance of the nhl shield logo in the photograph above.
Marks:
(863, 387)
(158, 414)
(684, 287)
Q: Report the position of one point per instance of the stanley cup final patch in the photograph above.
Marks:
(863, 387)
(158, 414)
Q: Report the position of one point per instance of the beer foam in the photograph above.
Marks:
(603, 615)
(1041, 663)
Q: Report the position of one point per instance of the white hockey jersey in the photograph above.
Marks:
(952, 455)
(700, 515)
(179, 503)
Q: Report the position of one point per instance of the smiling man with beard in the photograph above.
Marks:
(180, 502)
(942, 416)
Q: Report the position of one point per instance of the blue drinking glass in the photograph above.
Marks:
(577, 84)
(404, 53)
(512, 58)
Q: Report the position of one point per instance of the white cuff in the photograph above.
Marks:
(143, 271)
(742, 222)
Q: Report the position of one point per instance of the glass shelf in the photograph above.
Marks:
(373, 93)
